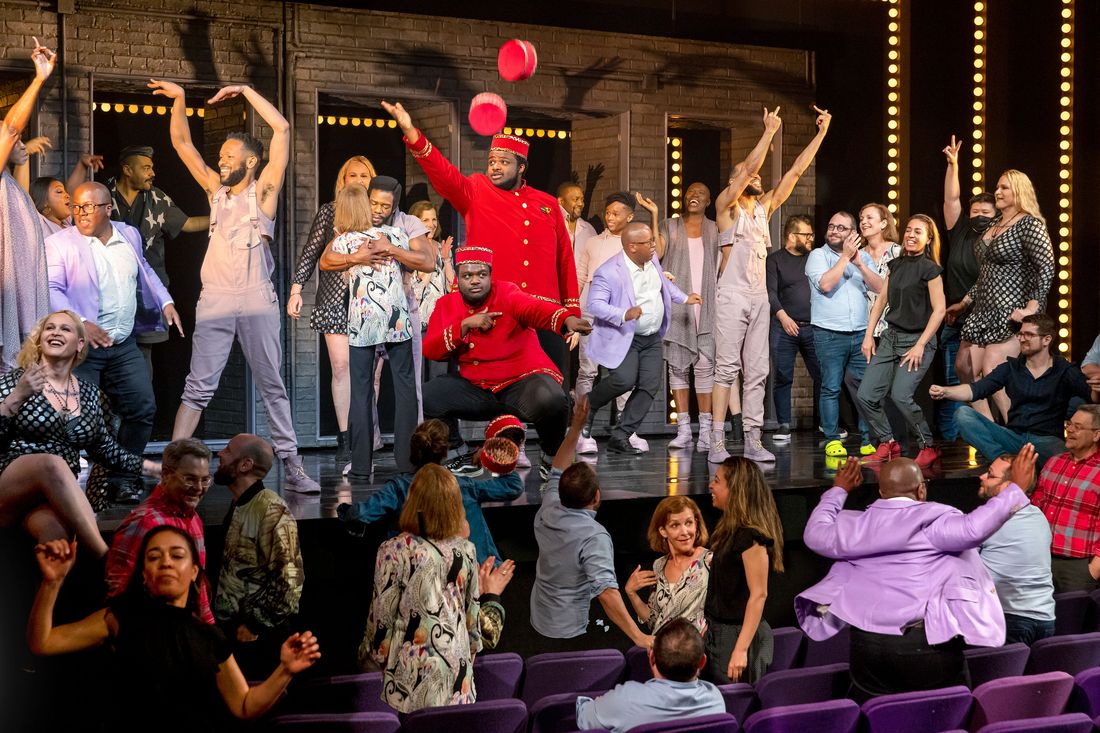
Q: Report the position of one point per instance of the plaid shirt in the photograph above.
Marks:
(1068, 493)
(126, 543)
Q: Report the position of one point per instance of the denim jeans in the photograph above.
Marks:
(1026, 630)
(784, 349)
(950, 339)
(837, 352)
(993, 440)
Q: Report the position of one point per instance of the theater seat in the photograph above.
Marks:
(1069, 723)
(1071, 654)
(549, 674)
(1018, 698)
(799, 686)
(927, 711)
(992, 663)
(491, 716)
(834, 716)
(338, 723)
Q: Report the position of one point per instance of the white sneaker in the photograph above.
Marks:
(296, 478)
(523, 461)
(716, 451)
(683, 437)
(587, 445)
(706, 428)
(639, 443)
(754, 449)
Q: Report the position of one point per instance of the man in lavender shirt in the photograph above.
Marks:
(908, 578)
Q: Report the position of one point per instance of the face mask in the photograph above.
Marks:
(980, 223)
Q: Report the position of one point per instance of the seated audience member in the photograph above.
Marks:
(680, 577)
(1042, 387)
(1090, 367)
(428, 446)
(1068, 493)
(262, 572)
(47, 415)
(185, 479)
(576, 559)
(507, 371)
(918, 560)
(162, 650)
(425, 592)
(1017, 557)
(674, 693)
(747, 543)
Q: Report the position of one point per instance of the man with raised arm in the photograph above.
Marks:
(742, 313)
(238, 298)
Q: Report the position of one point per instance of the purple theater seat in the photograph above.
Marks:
(549, 674)
(1086, 693)
(788, 646)
(497, 676)
(491, 716)
(834, 716)
(1069, 723)
(798, 686)
(637, 664)
(740, 699)
(831, 651)
(349, 693)
(992, 663)
(721, 723)
(1071, 610)
(338, 723)
(927, 711)
(1017, 698)
(557, 713)
(1072, 654)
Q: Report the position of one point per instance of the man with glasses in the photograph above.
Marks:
(839, 275)
(98, 269)
(184, 480)
(791, 333)
(1042, 386)
(1068, 493)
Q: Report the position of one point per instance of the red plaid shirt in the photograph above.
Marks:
(126, 543)
(1068, 493)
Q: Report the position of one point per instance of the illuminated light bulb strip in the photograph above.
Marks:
(675, 176)
(977, 134)
(146, 109)
(1065, 178)
(893, 106)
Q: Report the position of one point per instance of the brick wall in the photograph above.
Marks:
(617, 90)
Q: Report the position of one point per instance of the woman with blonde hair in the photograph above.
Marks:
(47, 416)
(330, 310)
(880, 236)
(431, 286)
(679, 577)
(1016, 270)
(423, 626)
(747, 543)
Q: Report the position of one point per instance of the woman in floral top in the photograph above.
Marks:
(423, 626)
(679, 578)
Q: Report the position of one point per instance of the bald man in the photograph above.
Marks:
(262, 573)
(907, 578)
(98, 269)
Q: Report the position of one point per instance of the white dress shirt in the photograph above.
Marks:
(647, 294)
(116, 269)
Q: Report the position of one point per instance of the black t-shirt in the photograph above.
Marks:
(727, 589)
(962, 264)
(907, 292)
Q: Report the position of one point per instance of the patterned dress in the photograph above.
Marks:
(882, 269)
(684, 599)
(423, 627)
(330, 310)
(428, 291)
(1015, 267)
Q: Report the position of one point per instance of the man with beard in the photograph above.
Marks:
(262, 573)
(690, 256)
(571, 200)
(791, 333)
(489, 327)
(741, 342)
(238, 298)
(523, 227)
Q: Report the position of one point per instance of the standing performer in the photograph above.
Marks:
(238, 299)
(522, 226)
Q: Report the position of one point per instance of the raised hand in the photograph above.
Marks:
(91, 162)
(580, 413)
(851, 245)
(823, 118)
(1022, 470)
(951, 152)
(772, 123)
(646, 203)
(640, 579)
(299, 652)
(227, 92)
(32, 382)
(44, 60)
(494, 580)
(849, 477)
(38, 145)
(398, 113)
(168, 89)
(55, 559)
(445, 248)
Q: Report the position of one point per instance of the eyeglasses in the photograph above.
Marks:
(837, 228)
(87, 208)
(192, 481)
(803, 234)
(1028, 335)
(1073, 427)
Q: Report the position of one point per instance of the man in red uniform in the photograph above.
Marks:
(489, 327)
(523, 227)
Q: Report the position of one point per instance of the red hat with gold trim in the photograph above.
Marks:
(471, 255)
(510, 144)
(499, 424)
(499, 455)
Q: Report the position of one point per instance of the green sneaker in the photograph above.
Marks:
(867, 449)
(835, 449)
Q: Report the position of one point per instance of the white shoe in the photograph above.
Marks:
(716, 452)
(346, 470)
(754, 449)
(587, 445)
(295, 477)
(683, 437)
(706, 428)
(523, 461)
(639, 443)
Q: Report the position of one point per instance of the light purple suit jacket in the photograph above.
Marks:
(903, 561)
(74, 284)
(610, 295)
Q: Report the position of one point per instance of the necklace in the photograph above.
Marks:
(1002, 227)
(63, 397)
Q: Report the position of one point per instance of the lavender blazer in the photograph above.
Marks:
(75, 286)
(903, 561)
(610, 295)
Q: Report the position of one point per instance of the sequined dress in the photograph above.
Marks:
(330, 309)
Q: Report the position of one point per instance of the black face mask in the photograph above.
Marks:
(979, 224)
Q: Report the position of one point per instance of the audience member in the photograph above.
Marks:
(1068, 493)
(680, 577)
(185, 479)
(674, 693)
(571, 200)
(425, 591)
(1042, 387)
(1017, 557)
(162, 650)
(918, 560)
(1090, 367)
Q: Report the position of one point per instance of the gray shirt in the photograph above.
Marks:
(576, 564)
(1018, 558)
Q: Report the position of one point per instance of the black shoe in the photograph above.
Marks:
(618, 445)
(131, 492)
(464, 466)
(737, 429)
(544, 471)
(343, 448)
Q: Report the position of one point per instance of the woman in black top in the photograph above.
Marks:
(913, 291)
(162, 650)
(747, 541)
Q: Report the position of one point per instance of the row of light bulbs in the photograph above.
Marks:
(1065, 176)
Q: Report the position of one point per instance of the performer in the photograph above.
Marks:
(489, 327)
(238, 299)
(571, 199)
(522, 226)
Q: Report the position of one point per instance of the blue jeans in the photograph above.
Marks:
(1026, 630)
(951, 337)
(838, 352)
(784, 349)
(993, 440)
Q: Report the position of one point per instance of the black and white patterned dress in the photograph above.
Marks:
(1015, 267)
(330, 309)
